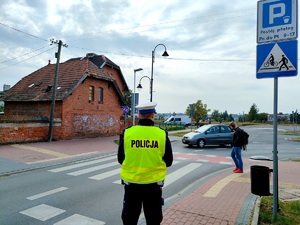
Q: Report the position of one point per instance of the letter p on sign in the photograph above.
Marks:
(276, 11)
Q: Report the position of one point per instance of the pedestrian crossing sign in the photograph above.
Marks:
(277, 59)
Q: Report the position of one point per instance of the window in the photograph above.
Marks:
(225, 129)
(91, 94)
(100, 94)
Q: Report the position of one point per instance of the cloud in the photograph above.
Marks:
(212, 48)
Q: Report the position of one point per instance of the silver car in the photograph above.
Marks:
(211, 134)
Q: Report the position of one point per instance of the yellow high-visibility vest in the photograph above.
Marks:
(144, 147)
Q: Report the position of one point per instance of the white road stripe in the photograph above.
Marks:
(172, 177)
(226, 163)
(202, 160)
(41, 195)
(78, 219)
(106, 174)
(43, 212)
(119, 181)
(81, 164)
(92, 169)
(211, 156)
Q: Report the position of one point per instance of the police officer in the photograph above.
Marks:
(144, 153)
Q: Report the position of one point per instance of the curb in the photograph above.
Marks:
(256, 212)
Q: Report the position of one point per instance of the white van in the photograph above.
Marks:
(178, 120)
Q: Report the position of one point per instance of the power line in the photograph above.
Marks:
(23, 32)
(171, 26)
(27, 59)
(23, 54)
(194, 18)
(168, 58)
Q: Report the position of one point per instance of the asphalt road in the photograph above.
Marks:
(90, 190)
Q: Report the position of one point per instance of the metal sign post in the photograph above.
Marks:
(277, 56)
(275, 152)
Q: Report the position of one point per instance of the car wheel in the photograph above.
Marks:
(200, 143)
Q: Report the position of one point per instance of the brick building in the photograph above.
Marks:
(89, 100)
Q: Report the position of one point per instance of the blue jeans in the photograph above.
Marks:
(236, 155)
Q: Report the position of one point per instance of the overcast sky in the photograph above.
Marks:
(211, 46)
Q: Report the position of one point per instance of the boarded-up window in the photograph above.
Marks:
(100, 94)
(91, 93)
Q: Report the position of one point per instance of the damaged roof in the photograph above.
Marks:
(37, 86)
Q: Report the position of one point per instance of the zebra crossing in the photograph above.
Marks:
(44, 212)
(95, 170)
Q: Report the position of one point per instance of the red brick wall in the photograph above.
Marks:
(79, 117)
(19, 132)
(32, 109)
(115, 76)
(82, 118)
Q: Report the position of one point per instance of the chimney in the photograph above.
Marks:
(90, 55)
(6, 87)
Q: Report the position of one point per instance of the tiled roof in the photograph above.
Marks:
(36, 86)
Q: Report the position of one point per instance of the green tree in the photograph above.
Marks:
(200, 111)
(215, 115)
(253, 113)
(263, 117)
(1, 107)
(127, 97)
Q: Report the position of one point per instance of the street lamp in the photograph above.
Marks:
(165, 54)
(140, 84)
(133, 114)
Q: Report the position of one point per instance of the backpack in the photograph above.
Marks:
(245, 138)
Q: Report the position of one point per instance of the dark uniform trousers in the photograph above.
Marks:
(148, 196)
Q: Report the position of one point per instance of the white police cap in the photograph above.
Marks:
(145, 108)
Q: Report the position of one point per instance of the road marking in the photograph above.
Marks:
(119, 181)
(226, 163)
(92, 169)
(181, 158)
(78, 219)
(42, 212)
(199, 150)
(81, 164)
(202, 160)
(212, 156)
(40, 150)
(106, 174)
(41, 195)
(217, 188)
(172, 177)
(66, 157)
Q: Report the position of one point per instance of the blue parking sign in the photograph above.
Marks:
(277, 13)
(277, 20)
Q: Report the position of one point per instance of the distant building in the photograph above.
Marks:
(89, 100)
(280, 117)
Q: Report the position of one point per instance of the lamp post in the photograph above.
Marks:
(133, 111)
(140, 84)
(165, 54)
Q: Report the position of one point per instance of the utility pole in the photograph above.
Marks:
(54, 87)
